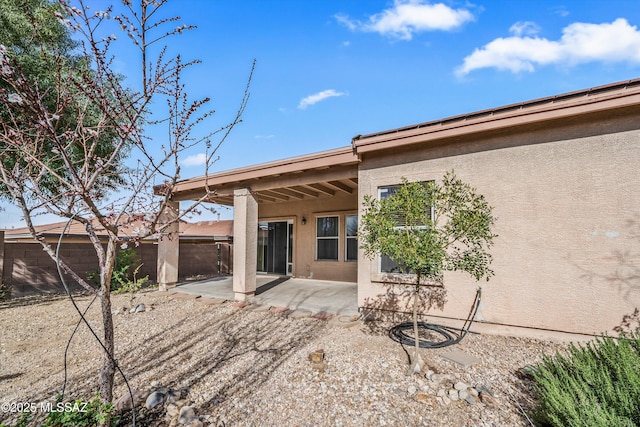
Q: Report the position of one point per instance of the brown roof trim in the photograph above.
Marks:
(615, 95)
(322, 160)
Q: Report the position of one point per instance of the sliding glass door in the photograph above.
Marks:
(275, 247)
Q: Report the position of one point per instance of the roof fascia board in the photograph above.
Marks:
(525, 115)
(338, 157)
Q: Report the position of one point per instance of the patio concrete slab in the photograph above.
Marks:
(305, 294)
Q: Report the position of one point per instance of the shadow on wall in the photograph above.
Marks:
(623, 273)
(395, 305)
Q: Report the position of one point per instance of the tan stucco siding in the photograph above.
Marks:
(568, 218)
(305, 264)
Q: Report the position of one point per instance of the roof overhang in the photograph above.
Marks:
(316, 175)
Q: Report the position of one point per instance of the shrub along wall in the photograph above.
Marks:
(30, 270)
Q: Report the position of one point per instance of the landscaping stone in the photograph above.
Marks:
(140, 308)
(279, 310)
(453, 395)
(124, 402)
(187, 414)
(317, 356)
(461, 358)
(487, 399)
(154, 399)
(460, 386)
(172, 410)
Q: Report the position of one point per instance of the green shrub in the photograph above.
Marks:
(597, 384)
(80, 413)
(126, 265)
(5, 291)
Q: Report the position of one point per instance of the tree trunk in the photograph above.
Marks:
(416, 366)
(108, 370)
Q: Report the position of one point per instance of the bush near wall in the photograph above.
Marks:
(597, 384)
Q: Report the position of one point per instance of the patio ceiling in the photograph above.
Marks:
(325, 174)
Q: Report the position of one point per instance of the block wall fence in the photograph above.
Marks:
(29, 270)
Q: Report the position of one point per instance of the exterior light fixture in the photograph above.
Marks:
(304, 220)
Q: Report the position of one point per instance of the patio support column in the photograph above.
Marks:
(168, 247)
(245, 244)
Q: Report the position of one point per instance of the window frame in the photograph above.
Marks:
(347, 238)
(336, 237)
(399, 227)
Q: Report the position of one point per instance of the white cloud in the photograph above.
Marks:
(195, 160)
(527, 28)
(580, 43)
(407, 17)
(317, 97)
(270, 136)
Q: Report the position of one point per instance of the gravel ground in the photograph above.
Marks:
(250, 368)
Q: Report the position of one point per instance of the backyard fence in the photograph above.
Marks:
(27, 269)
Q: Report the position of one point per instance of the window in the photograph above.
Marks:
(327, 228)
(387, 264)
(351, 236)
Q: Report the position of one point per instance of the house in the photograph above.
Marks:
(561, 172)
(206, 250)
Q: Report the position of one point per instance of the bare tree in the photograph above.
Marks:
(64, 143)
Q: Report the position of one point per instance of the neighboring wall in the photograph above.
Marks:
(567, 255)
(305, 264)
(28, 269)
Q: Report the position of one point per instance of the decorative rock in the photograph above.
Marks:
(463, 394)
(154, 384)
(445, 400)
(441, 393)
(460, 386)
(453, 395)
(470, 400)
(487, 399)
(195, 423)
(429, 374)
(140, 308)
(154, 399)
(279, 310)
(187, 414)
(172, 410)
(473, 392)
(173, 396)
(124, 402)
(412, 389)
(317, 356)
(435, 378)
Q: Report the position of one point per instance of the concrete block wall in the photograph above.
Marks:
(30, 270)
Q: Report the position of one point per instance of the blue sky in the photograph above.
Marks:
(328, 70)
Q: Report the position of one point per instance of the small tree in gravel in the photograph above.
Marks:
(429, 228)
(69, 124)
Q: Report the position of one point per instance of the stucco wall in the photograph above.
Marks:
(568, 218)
(304, 262)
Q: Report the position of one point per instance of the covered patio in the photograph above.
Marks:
(295, 218)
(339, 298)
